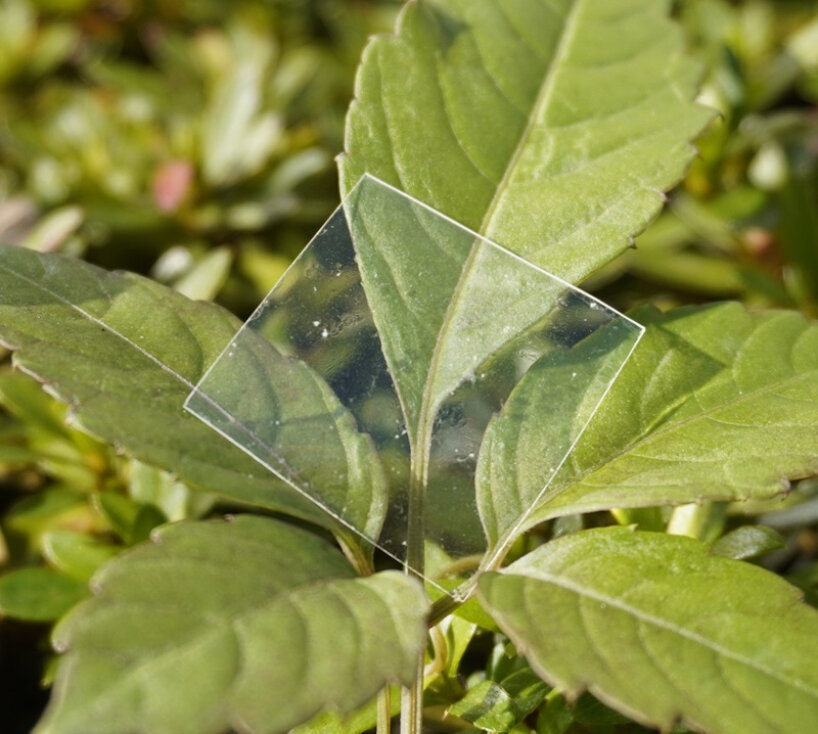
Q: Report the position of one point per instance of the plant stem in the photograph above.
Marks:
(384, 711)
(690, 520)
(421, 445)
(360, 557)
(411, 704)
(416, 525)
(411, 710)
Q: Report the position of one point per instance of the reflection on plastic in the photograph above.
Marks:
(367, 377)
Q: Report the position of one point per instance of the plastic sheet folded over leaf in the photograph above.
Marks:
(372, 370)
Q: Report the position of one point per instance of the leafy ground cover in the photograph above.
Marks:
(668, 577)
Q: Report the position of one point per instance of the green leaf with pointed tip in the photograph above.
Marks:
(250, 624)
(131, 521)
(549, 126)
(716, 403)
(660, 629)
(125, 352)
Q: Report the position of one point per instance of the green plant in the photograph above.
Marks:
(498, 115)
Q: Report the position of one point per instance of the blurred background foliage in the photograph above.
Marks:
(193, 141)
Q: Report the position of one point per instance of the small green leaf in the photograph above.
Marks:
(488, 706)
(76, 554)
(358, 722)
(151, 486)
(207, 277)
(555, 716)
(501, 706)
(38, 594)
(658, 628)
(120, 511)
(748, 541)
(29, 519)
(250, 624)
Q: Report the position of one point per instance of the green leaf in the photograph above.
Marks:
(129, 520)
(59, 450)
(442, 300)
(28, 520)
(174, 499)
(660, 629)
(500, 706)
(125, 352)
(551, 126)
(38, 594)
(716, 403)
(527, 441)
(250, 624)
(76, 554)
(748, 541)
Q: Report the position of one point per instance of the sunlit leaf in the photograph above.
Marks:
(550, 126)
(660, 629)
(716, 403)
(251, 624)
(125, 352)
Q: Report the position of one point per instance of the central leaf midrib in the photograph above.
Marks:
(541, 101)
(668, 625)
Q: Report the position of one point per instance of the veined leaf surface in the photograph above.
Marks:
(549, 126)
(125, 352)
(526, 442)
(443, 300)
(716, 403)
(251, 624)
(658, 628)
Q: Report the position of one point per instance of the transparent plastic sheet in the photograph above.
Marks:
(367, 377)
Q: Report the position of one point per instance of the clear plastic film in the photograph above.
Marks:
(369, 375)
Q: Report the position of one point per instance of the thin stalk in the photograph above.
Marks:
(384, 725)
(412, 698)
(411, 710)
(359, 557)
(411, 704)
(441, 653)
(461, 565)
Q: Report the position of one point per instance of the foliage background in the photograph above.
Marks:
(194, 140)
